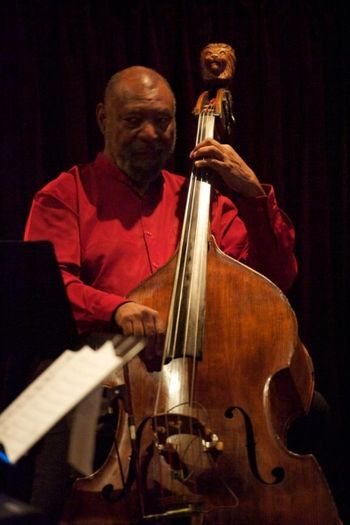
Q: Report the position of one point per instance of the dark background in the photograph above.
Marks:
(291, 103)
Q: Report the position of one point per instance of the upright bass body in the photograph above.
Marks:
(253, 378)
(216, 450)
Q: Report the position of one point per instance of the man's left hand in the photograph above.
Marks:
(226, 162)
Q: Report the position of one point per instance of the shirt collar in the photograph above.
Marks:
(103, 162)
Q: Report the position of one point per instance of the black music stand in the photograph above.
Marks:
(37, 322)
(37, 325)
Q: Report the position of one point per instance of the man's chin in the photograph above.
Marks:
(143, 172)
(144, 166)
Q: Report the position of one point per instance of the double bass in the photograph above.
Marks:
(202, 440)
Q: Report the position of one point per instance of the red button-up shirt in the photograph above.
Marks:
(107, 238)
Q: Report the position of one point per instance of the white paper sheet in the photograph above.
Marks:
(56, 391)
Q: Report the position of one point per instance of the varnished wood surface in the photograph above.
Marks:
(253, 360)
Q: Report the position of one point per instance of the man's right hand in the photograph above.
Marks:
(137, 319)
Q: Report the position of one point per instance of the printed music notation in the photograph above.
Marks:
(64, 384)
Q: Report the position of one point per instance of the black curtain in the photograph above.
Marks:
(291, 103)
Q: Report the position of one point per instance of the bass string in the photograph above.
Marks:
(205, 130)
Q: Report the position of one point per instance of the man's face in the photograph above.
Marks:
(139, 128)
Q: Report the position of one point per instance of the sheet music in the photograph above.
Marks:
(56, 391)
(82, 440)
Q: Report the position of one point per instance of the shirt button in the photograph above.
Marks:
(149, 234)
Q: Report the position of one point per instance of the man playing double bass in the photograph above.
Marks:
(117, 220)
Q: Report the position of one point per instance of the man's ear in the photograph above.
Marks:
(101, 117)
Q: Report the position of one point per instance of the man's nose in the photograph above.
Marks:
(149, 130)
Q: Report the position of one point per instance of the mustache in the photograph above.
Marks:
(147, 148)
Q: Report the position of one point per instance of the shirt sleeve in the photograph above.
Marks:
(256, 232)
(56, 220)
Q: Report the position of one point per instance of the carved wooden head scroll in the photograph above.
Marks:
(218, 63)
